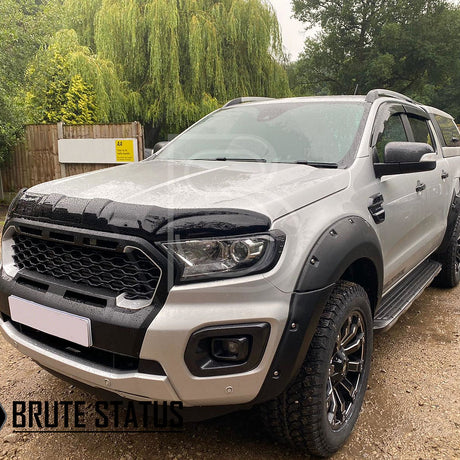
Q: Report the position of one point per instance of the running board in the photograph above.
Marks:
(401, 297)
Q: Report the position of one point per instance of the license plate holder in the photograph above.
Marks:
(67, 326)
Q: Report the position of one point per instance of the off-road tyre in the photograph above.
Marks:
(301, 416)
(449, 276)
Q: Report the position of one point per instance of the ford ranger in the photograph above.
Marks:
(247, 262)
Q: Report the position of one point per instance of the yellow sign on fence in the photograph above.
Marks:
(124, 150)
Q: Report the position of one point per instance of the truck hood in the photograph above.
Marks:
(272, 189)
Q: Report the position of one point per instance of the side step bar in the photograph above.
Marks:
(401, 297)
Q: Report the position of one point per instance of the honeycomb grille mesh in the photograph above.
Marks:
(131, 274)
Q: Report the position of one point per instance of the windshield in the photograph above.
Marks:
(289, 132)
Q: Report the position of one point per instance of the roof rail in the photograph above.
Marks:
(242, 100)
(376, 93)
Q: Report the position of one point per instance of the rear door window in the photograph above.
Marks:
(449, 131)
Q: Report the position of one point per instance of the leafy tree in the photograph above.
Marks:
(183, 58)
(67, 83)
(25, 25)
(408, 46)
(80, 106)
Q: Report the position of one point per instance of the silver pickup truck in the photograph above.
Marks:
(247, 262)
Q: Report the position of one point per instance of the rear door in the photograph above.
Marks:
(437, 194)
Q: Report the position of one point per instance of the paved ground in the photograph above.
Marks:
(411, 410)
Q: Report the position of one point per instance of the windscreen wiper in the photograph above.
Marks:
(255, 160)
(318, 164)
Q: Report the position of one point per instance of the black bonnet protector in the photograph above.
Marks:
(152, 223)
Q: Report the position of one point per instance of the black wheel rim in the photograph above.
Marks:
(345, 371)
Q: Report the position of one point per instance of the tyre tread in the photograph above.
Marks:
(282, 417)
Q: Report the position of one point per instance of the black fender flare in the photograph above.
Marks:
(454, 212)
(343, 243)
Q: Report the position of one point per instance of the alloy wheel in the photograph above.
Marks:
(345, 371)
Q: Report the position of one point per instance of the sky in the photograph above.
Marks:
(293, 30)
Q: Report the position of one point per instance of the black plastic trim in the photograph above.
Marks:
(152, 223)
(15, 201)
(200, 361)
(114, 329)
(388, 169)
(376, 208)
(454, 212)
(90, 356)
(343, 243)
(304, 313)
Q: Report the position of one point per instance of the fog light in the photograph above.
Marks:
(234, 349)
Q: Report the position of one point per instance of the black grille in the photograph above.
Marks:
(131, 273)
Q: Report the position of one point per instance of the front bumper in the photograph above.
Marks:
(187, 309)
(133, 385)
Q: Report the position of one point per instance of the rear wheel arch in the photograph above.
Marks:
(448, 253)
(454, 212)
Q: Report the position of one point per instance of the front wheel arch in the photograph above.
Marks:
(344, 251)
(348, 250)
(300, 415)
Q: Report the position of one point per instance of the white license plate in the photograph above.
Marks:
(73, 328)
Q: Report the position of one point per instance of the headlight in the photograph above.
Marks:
(227, 257)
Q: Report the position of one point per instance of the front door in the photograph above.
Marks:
(406, 234)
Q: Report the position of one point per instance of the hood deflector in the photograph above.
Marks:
(152, 223)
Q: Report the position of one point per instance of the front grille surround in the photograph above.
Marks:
(121, 268)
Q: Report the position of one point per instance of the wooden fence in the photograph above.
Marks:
(36, 160)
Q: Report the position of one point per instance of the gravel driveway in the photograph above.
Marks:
(411, 410)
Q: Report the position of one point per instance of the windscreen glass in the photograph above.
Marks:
(292, 132)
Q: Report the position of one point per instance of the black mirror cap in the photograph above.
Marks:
(390, 169)
(159, 145)
(406, 152)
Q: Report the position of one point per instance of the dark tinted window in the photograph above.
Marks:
(449, 131)
(393, 131)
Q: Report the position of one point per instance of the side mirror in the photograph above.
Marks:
(159, 145)
(405, 152)
(404, 158)
(147, 153)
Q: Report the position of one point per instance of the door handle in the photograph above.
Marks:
(420, 187)
(444, 175)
